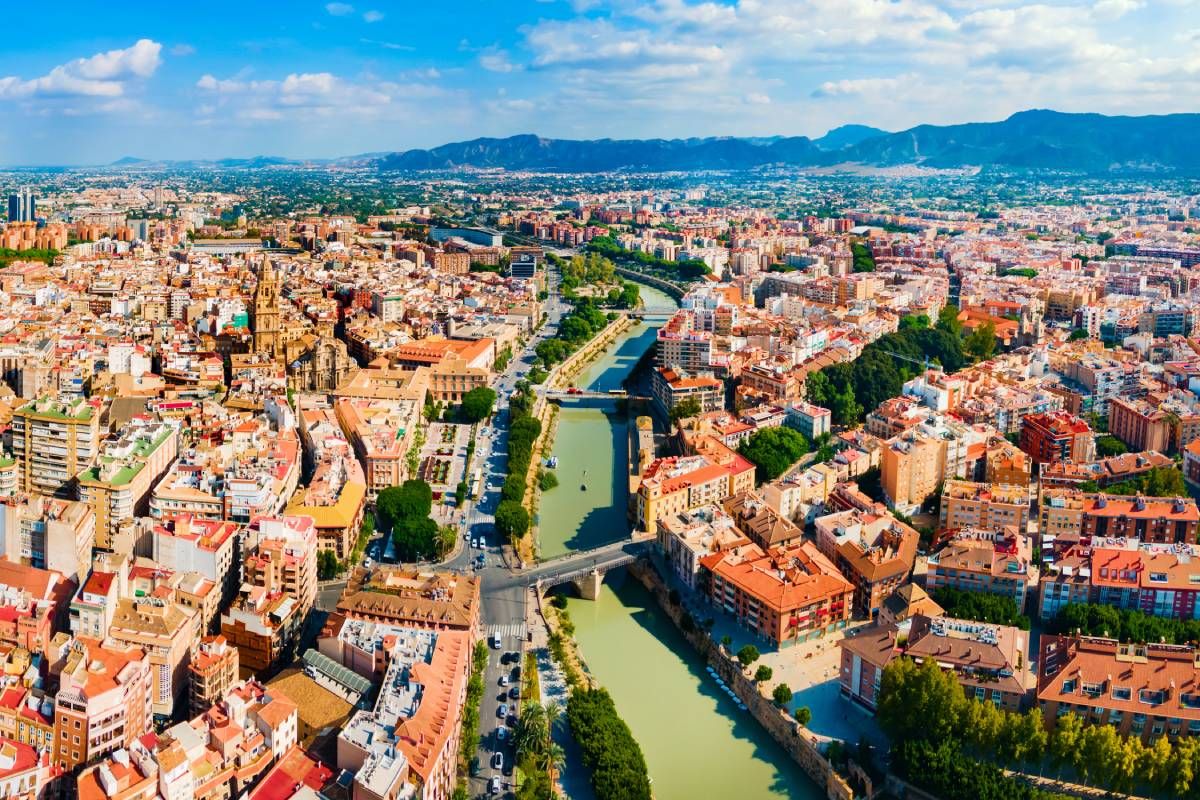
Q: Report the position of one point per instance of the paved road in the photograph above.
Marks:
(502, 594)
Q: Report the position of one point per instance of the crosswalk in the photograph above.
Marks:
(514, 630)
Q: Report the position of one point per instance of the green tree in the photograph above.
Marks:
(948, 320)
(803, 715)
(747, 655)
(512, 520)
(477, 404)
(773, 451)
(687, 407)
(327, 565)
(863, 260)
(1065, 742)
(1109, 445)
(818, 389)
(1077, 334)
(416, 538)
(411, 499)
(920, 702)
(763, 673)
(981, 343)
(547, 480)
(782, 694)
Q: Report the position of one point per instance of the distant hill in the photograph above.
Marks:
(1029, 139)
(601, 155)
(847, 135)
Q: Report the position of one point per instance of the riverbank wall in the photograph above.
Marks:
(547, 415)
(796, 741)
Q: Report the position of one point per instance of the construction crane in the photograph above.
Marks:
(925, 363)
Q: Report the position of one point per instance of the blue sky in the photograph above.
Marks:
(168, 80)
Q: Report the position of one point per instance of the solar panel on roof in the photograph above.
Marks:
(336, 672)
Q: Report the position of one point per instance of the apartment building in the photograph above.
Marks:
(786, 594)
(1057, 437)
(209, 547)
(412, 598)
(911, 468)
(988, 661)
(47, 533)
(53, 440)
(1139, 424)
(1157, 579)
(686, 539)
(759, 522)
(167, 632)
(1143, 690)
(381, 433)
(263, 626)
(810, 420)
(408, 745)
(212, 672)
(117, 487)
(103, 701)
(282, 557)
(676, 485)
(1105, 472)
(996, 562)
(965, 504)
(1005, 463)
(671, 386)
(872, 549)
(1147, 519)
(336, 494)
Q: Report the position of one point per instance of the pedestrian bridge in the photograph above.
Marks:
(563, 394)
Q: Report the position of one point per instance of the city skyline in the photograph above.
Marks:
(337, 79)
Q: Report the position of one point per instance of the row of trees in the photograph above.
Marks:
(469, 740)
(1157, 482)
(512, 520)
(616, 761)
(773, 450)
(982, 606)
(583, 322)
(685, 270)
(1124, 624)
(939, 735)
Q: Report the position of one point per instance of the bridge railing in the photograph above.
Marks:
(555, 578)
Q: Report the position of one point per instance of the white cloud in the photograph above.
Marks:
(339, 9)
(306, 94)
(818, 63)
(373, 16)
(497, 61)
(183, 49)
(105, 74)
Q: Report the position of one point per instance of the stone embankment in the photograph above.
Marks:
(796, 741)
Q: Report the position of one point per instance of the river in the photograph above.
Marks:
(697, 743)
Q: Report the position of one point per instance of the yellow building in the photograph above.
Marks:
(911, 468)
(966, 504)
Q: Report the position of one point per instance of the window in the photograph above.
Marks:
(1068, 686)
(1152, 697)
(1122, 693)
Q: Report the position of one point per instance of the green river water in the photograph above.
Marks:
(697, 743)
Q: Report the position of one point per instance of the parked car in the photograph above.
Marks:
(501, 733)
(515, 692)
(504, 680)
(502, 711)
(494, 785)
(498, 761)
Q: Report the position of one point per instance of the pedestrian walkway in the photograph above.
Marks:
(515, 630)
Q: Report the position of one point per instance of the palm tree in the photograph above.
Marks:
(531, 734)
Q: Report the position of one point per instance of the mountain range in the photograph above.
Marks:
(1036, 139)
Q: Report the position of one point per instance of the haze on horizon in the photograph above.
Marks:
(339, 78)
